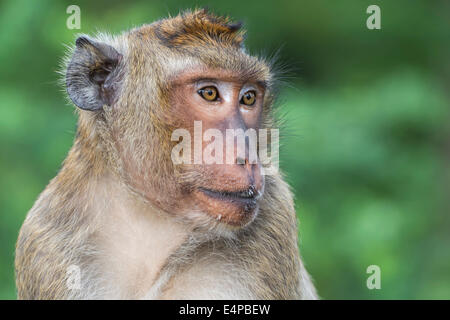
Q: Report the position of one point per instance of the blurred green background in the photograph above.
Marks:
(367, 147)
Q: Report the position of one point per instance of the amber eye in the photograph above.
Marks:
(249, 98)
(209, 93)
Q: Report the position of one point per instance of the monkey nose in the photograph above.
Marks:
(254, 174)
(242, 161)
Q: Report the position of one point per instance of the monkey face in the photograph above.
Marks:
(213, 106)
(137, 92)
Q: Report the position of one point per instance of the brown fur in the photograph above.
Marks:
(119, 168)
(198, 28)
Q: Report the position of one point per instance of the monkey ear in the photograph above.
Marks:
(92, 75)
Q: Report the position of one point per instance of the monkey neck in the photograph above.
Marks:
(134, 237)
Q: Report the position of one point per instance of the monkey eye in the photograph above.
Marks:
(249, 98)
(209, 93)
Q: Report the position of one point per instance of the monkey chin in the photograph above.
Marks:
(234, 210)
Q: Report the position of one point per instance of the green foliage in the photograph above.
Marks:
(366, 166)
(366, 141)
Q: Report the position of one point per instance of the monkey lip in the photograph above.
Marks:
(234, 208)
(250, 194)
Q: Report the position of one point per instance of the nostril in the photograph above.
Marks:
(242, 161)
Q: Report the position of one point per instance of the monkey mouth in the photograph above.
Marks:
(234, 208)
(250, 194)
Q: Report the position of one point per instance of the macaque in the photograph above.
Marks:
(130, 221)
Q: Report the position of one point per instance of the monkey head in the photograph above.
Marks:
(136, 89)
